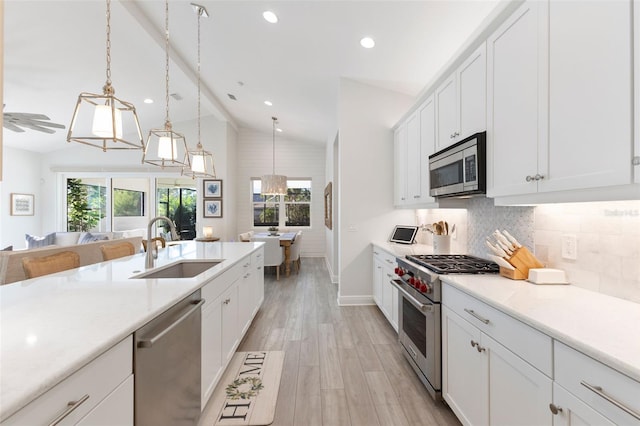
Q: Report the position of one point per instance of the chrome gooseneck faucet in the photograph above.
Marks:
(152, 249)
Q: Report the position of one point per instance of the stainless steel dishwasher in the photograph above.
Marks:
(167, 366)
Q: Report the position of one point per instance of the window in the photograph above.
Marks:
(127, 202)
(296, 205)
(177, 200)
(86, 204)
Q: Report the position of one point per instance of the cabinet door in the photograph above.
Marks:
(211, 363)
(590, 96)
(636, 78)
(516, 107)
(571, 411)
(413, 159)
(427, 146)
(529, 405)
(387, 294)
(230, 326)
(472, 93)
(446, 113)
(377, 281)
(465, 384)
(395, 313)
(115, 410)
(400, 165)
(247, 296)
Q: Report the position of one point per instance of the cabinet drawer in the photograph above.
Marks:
(525, 341)
(387, 259)
(577, 372)
(257, 258)
(214, 288)
(95, 380)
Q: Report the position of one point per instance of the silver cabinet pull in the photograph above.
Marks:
(71, 406)
(147, 343)
(555, 409)
(538, 177)
(476, 316)
(529, 178)
(246, 264)
(474, 344)
(601, 393)
(375, 252)
(389, 261)
(227, 301)
(259, 267)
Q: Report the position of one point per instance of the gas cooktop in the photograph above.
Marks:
(455, 264)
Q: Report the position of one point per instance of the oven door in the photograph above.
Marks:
(419, 334)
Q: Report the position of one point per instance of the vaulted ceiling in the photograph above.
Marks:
(53, 50)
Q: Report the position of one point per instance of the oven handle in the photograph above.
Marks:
(415, 302)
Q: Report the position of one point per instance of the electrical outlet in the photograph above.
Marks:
(569, 247)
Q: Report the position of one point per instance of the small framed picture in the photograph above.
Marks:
(212, 208)
(22, 204)
(212, 188)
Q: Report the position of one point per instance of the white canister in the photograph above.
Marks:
(442, 244)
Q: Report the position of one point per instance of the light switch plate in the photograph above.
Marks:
(569, 246)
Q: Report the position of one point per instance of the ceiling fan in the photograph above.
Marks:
(19, 121)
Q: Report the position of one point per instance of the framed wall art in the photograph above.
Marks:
(22, 204)
(212, 188)
(327, 206)
(212, 208)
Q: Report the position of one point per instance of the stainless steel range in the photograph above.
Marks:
(419, 329)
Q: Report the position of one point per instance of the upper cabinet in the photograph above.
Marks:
(560, 98)
(461, 101)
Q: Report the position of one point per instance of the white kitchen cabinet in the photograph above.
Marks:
(636, 86)
(247, 295)
(413, 160)
(400, 197)
(211, 362)
(605, 390)
(516, 100)
(230, 326)
(560, 98)
(107, 379)
(461, 101)
(427, 113)
(384, 294)
(480, 372)
(571, 411)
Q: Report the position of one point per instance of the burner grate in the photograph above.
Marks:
(455, 264)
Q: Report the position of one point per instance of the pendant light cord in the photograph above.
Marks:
(199, 143)
(166, 67)
(108, 83)
(273, 168)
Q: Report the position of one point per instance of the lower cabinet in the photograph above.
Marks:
(232, 300)
(569, 410)
(486, 382)
(384, 294)
(100, 393)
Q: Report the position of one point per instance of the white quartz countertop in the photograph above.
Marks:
(53, 325)
(603, 327)
(400, 250)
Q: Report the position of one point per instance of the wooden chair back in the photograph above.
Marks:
(158, 241)
(39, 266)
(114, 251)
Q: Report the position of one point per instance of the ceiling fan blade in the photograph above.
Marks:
(27, 115)
(44, 123)
(13, 127)
(37, 128)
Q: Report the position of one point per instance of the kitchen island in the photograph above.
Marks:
(54, 325)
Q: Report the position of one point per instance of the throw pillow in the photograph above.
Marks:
(89, 238)
(35, 242)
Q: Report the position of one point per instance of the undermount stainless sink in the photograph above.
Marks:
(180, 269)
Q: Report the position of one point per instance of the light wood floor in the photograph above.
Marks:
(343, 365)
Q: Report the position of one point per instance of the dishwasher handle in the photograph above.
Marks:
(148, 343)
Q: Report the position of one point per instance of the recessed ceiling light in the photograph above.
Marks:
(278, 129)
(367, 42)
(268, 103)
(148, 101)
(270, 17)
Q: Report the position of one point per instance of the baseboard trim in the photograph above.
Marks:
(332, 276)
(355, 300)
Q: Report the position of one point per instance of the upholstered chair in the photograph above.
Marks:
(114, 251)
(38, 266)
(158, 241)
(273, 253)
(295, 251)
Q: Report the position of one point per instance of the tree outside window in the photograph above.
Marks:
(85, 205)
(296, 205)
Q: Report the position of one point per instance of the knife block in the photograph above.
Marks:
(523, 260)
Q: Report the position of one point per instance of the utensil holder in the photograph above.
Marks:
(523, 260)
(442, 244)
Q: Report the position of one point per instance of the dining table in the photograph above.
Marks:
(287, 239)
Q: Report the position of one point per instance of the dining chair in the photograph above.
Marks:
(245, 236)
(114, 251)
(38, 266)
(295, 251)
(158, 241)
(273, 253)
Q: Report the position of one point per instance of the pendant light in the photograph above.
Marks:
(200, 161)
(166, 148)
(274, 184)
(101, 121)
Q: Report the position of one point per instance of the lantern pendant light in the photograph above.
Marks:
(166, 148)
(103, 121)
(200, 161)
(274, 184)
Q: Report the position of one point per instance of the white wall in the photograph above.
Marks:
(366, 115)
(21, 175)
(331, 235)
(294, 159)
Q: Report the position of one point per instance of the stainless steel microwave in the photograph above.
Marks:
(459, 169)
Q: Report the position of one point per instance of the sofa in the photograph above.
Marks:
(11, 261)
